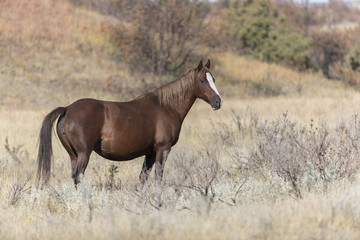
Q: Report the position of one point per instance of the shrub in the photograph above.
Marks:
(298, 153)
(281, 150)
(198, 174)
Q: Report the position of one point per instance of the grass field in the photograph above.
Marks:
(107, 206)
(215, 186)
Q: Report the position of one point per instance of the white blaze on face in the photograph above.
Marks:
(211, 82)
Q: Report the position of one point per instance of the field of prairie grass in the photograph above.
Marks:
(207, 192)
(218, 181)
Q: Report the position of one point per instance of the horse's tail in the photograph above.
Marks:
(45, 146)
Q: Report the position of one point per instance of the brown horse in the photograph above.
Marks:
(148, 125)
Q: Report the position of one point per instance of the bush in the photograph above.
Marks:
(296, 153)
(282, 150)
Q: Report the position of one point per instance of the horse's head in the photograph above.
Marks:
(205, 86)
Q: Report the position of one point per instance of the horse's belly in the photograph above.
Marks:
(119, 157)
(123, 150)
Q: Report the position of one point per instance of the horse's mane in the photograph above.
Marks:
(174, 92)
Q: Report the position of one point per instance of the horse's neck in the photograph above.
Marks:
(183, 108)
(183, 100)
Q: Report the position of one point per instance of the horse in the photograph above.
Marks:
(148, 125)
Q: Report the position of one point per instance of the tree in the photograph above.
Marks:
(291, 47)
(261, 32)
(353, 58)
(328, 48)
(161, 35)
(250, 22)
(331, 41)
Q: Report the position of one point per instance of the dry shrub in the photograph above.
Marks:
(20, 156)
(247, 123)
(17, 152)
(224, 131)
(17, 190)
(198, 173)
(297, 153)
(281, 150)
(242, 128)
(335, 152)
(345, 149)
(109, 181)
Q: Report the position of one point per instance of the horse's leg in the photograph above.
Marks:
(161, 156)
(73, 168)
(70, 149)
(79, 167)
(146, 168)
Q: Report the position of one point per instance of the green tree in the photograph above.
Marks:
(259, 31)
(249, 22)
(290, 47)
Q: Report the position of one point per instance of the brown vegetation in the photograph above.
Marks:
(280, 159)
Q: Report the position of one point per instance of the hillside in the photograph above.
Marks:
(54, 52)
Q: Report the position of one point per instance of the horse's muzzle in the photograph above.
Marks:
(215, 102)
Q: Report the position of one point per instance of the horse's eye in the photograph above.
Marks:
(202, 81)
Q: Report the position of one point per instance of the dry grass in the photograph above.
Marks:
(262, 209)
(51, 48)
(52, 24)
(54, 53)
(245, 77)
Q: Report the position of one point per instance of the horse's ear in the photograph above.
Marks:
(200, 66)
(208, 64)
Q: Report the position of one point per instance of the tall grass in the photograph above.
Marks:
(212, 187)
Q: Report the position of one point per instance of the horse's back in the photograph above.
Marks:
(86, 110)
(85, 104)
